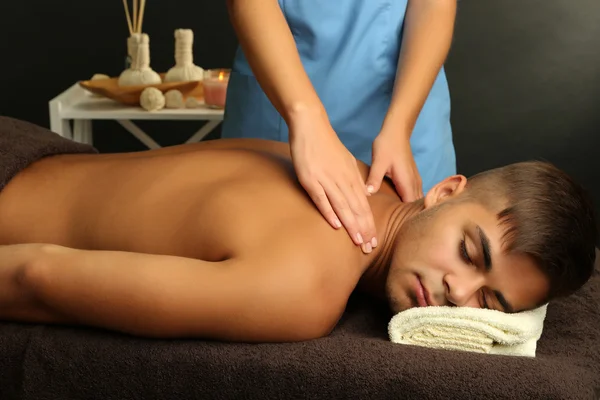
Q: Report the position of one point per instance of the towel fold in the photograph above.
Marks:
(469, 329)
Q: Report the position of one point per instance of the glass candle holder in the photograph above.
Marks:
(215, 87)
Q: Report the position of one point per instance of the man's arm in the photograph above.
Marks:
(428, 30)
(161, 296)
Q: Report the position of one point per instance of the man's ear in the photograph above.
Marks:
(446, 189)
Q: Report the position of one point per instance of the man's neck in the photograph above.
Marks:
(390, 214)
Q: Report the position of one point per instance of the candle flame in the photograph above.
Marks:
(221, 75)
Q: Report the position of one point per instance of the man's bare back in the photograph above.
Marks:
(236, 205)
(200, 201)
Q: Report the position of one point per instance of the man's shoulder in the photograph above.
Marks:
(314, 249)
(302, 267)
(320, 269)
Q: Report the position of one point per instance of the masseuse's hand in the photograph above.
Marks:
(330, 175)
(392, 157)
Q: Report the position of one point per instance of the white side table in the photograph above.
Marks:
(80, 106)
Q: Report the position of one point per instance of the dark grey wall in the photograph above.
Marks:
(46, 46)
(525, 83)
(524, 74)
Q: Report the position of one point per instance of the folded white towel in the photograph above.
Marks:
(469, 329)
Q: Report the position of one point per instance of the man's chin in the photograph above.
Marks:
(399, 291)
(398, 304)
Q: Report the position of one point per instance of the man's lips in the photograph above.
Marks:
(421, 294)
(427, 297)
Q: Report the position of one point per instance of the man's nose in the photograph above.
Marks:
(462, 289)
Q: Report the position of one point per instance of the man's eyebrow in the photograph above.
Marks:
(487, 260)
(505, 304)
(485, 246)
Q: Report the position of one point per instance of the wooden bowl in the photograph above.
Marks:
(130, 95)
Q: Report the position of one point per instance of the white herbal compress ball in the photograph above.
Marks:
(174, 99)
(193, 102)
(139, 73)
(97, 77)
(184, 69)
(152, 99)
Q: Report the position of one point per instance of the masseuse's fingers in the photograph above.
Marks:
(338, 204)
(348, 205)
(319, 197)
(376, 174)
(356, 195)
(407, 180)
(329, 174)
(392, 157)
(409, 188)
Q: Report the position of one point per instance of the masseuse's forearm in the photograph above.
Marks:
(269, 46)
(428, 29)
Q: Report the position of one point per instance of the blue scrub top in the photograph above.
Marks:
(349, 49)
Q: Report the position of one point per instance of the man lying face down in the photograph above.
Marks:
(217, 240)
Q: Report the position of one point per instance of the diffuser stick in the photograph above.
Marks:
(141, 16)
(128, 16)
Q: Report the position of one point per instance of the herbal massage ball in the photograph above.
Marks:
(139, 73)
(97, 77)
(184, 69)
(193, 102)
(174, 99)
(152, 99)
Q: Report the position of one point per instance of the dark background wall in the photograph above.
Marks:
(524, 74)
(46, 46)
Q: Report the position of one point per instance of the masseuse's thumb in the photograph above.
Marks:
(376, 174)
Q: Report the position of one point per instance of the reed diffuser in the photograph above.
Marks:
(138, 49)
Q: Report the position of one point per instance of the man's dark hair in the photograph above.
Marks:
(547, 216)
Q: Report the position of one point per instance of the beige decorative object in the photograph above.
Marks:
(174, 99)
(130, 95)
(96, 77)
(139, 73)
(184, 69)
(152, 99)
(138, 49)
(192, 102)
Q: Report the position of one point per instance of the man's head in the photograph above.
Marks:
(510, 239)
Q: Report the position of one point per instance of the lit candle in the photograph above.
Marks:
(215, 87)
